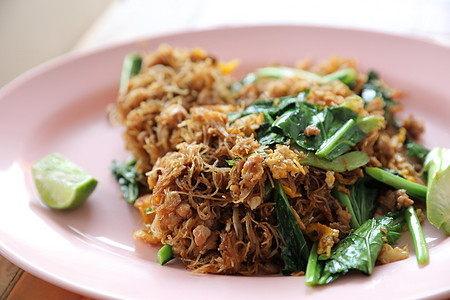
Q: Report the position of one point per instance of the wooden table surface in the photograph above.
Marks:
(16, 284)
(23, 285)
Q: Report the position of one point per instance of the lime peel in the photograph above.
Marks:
(61, 184)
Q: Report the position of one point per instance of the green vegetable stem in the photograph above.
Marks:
(328, 146)
(415, 150)
(346, 162)
(344, 199)
(131, 66)
(347, 76)
(413, 189)
(313, 268)
(164, 254)
(417, 235)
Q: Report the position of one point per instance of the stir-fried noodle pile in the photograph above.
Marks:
(210, 179)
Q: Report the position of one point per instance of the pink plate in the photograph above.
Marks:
(61, 107)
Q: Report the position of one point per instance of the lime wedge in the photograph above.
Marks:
(61, 184)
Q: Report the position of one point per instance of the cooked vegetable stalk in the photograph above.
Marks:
(131, 66)
(344, 199)
(360, 249)
(413, 189)
(294, 250)
(420, 244)
(282, 72)
(313, 268)
(271, 108)
(347, 76)
(127, 177)
(164, 254)
(346, 162)
(328, 146)
(437, 164)
(366, 124)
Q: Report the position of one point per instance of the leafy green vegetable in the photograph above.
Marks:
(360, 249)
(437, 164)
(292, 124)
(415, 150)
(268, 188)
(363, 195)
(286, 119)
(341, 140)
(272, 108)
(294, 250)
(420, 244)
(413, 189)
(338, 131)
(374, 88)
(344, 199)
(131, 66)
(361, 202)
(126, 175)
(346, 162)
(338, 127)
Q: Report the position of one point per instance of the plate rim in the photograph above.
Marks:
(63, 59)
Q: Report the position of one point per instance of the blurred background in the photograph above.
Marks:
(34, 31)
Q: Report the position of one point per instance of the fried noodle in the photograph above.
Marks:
(209, 178)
